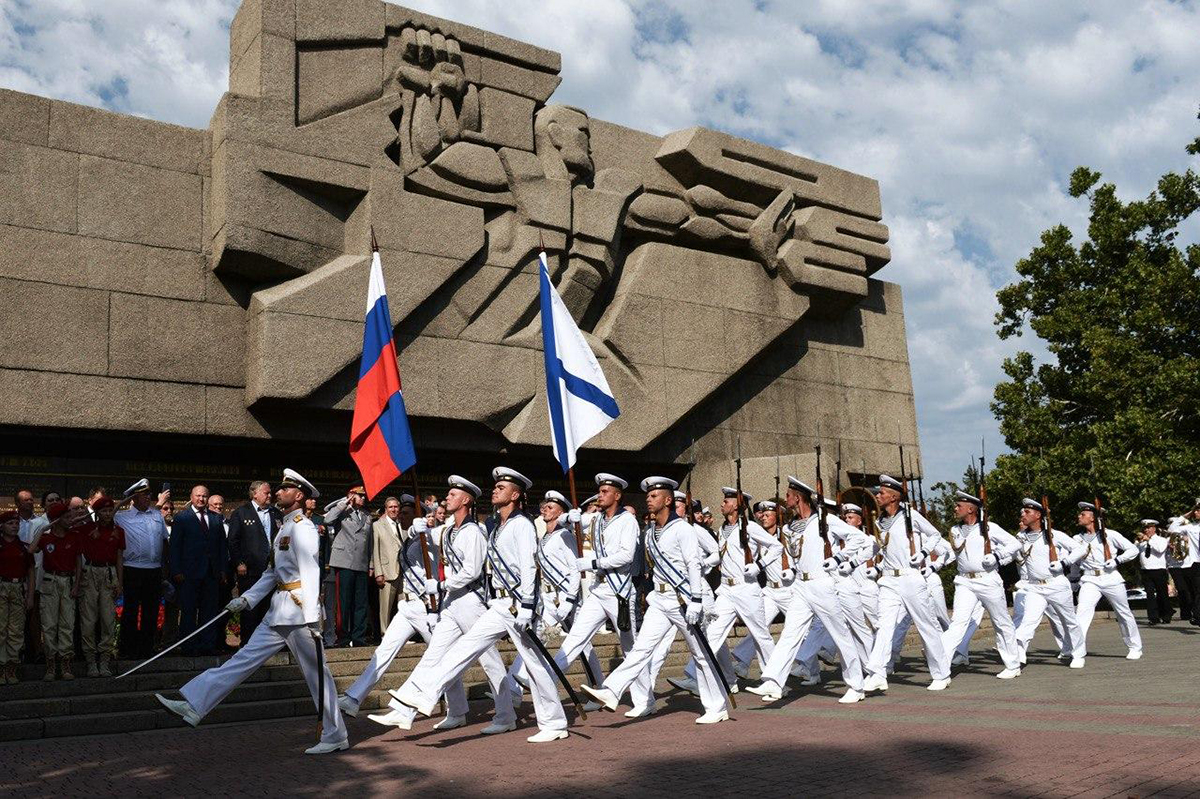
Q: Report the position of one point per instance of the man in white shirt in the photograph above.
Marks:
(1106, 549)
(1188, 527)
(1154, 572)
(146, 535)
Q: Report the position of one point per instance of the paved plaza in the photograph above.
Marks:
(1116, 728)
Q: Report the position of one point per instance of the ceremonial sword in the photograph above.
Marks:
(178, 643)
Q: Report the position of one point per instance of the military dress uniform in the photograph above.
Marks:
(815, 595)
(978, 583)
(675, 578)
(513, 597)
(1101, 578)
(411, 617)
(291, 584)
(1047, 591)
(939, 556)
(903, 589)
(776, 592)
(462, 551)
(614, 549)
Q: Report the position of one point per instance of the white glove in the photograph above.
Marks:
(845, 569)
(872, 573)
(419, 525)
(915, 560)
(431, 619)
(751, 571)
(1110, 565)
(585, 564)
(524, 618)
(694, 610)
(787, 575)
(237, 604)
(712, 560)
(431, 587)
(926, 571)
(1056, 567)
(574, 516)
(829, 565)
(990, 562)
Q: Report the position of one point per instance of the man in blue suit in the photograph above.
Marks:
(199, 560)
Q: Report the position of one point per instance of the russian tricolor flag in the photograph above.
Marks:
(380, 441)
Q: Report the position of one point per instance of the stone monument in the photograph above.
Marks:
(199, 294)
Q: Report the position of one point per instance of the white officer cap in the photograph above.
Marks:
(1149, 522)
(656, 483)
(293, 478)
(830, 502)
(463, 484)
(797, 484)
(554, 496)
(140, 487)
(503, 473)
(680, 496)
(590, 500)
(1087, 506)
(887, 481)
(850, 507)
(765, 505)
(963, 496)
(731, 493)
(1033, 504)
(606, 479)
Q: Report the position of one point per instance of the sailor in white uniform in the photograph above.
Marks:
(1047, 591)
(1105, 550)
(293, 581)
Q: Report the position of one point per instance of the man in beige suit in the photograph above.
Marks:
(390, 529)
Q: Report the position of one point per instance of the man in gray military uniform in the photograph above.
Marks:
(350, 558)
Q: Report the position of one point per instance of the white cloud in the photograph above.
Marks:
(971, 116)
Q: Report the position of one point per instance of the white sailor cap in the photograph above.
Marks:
(1149, 522)
(1033, 504)
(293, 478)
(850, 507)
(705, 510)
(657, 483)
(554, 496)
(463, 484)
(830, 502)
(590, 500)
(503, 473)
(796, 484)
(887, 481)
(1087, 506)
(963, 496)
(606, 479)
(680, 496)
(731, 493)
(140, 487)
(764, 505)
(408, 499)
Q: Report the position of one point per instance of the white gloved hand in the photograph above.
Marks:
(787, 575)
(694, 611)
(585, 564)
(419, 525)
(872, 573)
(915, 560)
(431, 619)
(1056, 567)
(574, 516)
(237, 604)
(829, 565)
(926, 571)
(845, 568)
(751, 571)
(990, 562)
(524, 618)
(712, 560)
(1110, 565)
(431, 587)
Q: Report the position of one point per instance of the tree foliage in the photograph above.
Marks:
(1115, 409)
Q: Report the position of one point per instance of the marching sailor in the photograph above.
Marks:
(1047, 589)
(556, 556)
(293, 581)
(614, 535)
(675, 604)
(978, 581)
(865, 574)
(814, 595)
(462, 549)
(904, 551)
(1105, 550)
(513, 592)
(777, 593)
(413, 617)
(706, 545)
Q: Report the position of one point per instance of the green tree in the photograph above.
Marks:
(1115, 410)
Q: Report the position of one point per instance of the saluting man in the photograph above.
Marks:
(978, 580)
(1101, 578)
(512, 572)
(1047, 589)
(293, 582)
(674, 605)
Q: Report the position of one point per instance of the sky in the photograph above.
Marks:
(970, 114)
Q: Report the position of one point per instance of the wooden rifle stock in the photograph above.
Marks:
(742, 510)
(983, 508)
(1100, 531)
(1048, 528)
(822, 522)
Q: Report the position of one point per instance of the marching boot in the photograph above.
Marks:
(66, 668)
(49, 675)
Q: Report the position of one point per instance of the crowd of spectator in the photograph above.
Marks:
(97, 579)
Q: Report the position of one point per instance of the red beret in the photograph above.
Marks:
(56, 510)
(8, 516)
(102, 502)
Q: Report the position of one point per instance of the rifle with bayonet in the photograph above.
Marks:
(984, 527)
(912, 542)
(742, 510)
(822, 522)
(1048, 528)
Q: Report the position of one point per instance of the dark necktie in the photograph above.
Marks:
(203, 520)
